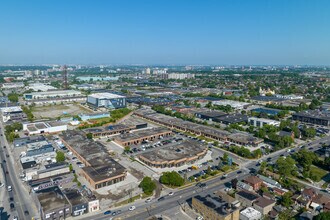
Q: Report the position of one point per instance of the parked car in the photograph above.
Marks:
(107, 212)
(132, 208)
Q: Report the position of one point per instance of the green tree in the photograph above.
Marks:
(225, 158)
(286, 165)
(286, 200)
(322, 216)
(171, 178)
(60, 157)
(127, 149)
(13, 97)
(147, 185)
(89, 135)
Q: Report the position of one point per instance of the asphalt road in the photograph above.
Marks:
(144, 210)
(22, 200)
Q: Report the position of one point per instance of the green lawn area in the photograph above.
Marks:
(317, 173)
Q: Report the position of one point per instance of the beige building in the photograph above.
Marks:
(215, 208)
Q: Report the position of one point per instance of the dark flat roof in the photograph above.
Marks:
(217, 204)
(248, 195)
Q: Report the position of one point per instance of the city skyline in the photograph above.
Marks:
(169, 33)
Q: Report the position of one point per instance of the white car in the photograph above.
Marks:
(148, 200)
(132, 208)
(171, 194)
(9, 188)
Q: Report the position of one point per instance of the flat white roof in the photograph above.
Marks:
(56, 92)
(106, 95)
(263, 120)
(251, 213)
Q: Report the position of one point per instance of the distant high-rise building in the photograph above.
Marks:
(147, 71)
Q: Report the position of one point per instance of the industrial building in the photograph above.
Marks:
(15, 85)
(106, 100)
(40, 87)
(260, 122)
(44, 127)
(21, 142)
(100, 169)
(213, 207)
(234, 104)
(52, 94)
(46, 171)
(176, 155)
(316, 117)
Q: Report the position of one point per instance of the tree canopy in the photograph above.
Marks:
(171, 178)
(147, 185)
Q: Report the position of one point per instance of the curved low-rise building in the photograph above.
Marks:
(186, 152)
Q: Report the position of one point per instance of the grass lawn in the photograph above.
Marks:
(318, 173)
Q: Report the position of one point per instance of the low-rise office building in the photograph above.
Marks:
(13, 114)
(137, 137)
(231, 119)
(313, 116)
(121, 128)
(176, 155)
(106, 100)
(244, 139)
(260, 122)
(214, 208)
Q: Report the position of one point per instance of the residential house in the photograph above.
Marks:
(264, 205)
(254, 181)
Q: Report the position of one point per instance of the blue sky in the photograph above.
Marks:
(165, 32)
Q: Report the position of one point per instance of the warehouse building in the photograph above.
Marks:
(52, 94)
(106, 100)
(100, 169)
(316, 117)
(44, 127)
(231, 119)
(234, 104)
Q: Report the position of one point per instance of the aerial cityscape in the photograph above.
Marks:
(165, 110)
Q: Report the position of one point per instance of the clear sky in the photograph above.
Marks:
(165, 32)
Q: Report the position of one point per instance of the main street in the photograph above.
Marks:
(22, 200)
(144, 210)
